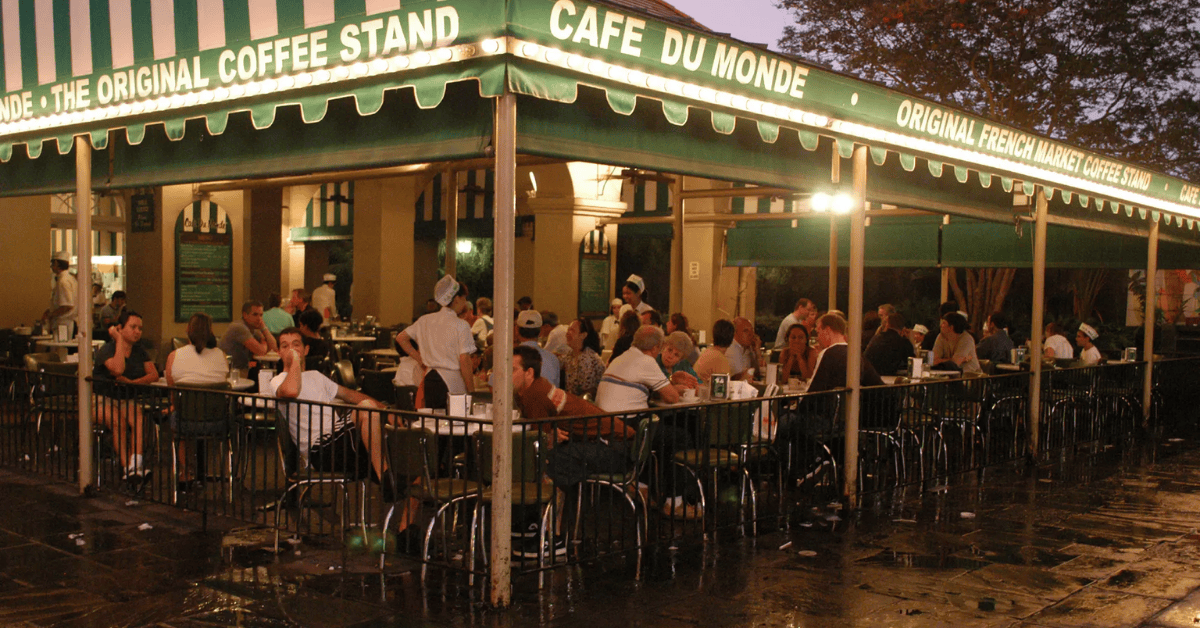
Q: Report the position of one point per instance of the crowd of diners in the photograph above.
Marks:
(560, 368)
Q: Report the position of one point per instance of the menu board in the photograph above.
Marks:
(203, 262)
(594, 288)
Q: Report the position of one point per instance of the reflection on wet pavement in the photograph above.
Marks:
(1101, 541)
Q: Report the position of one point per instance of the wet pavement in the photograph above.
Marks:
(1102, 540)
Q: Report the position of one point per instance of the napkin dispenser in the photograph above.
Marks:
(459, 405)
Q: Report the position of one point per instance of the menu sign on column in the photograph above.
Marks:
(203, 262)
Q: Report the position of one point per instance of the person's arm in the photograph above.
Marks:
(261, 347)
(169, 368)
(964, 350)
(669, 393)
(116, 364)
(467, 367)
(293, 366)
(151, 375)
(357, 398)
(405, 343)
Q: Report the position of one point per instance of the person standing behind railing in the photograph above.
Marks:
(446, 345)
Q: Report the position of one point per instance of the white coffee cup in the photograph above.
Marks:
(688, 396)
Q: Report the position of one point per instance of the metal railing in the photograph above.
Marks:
(585, 488)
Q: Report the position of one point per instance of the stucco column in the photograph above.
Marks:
(560, 225)
(384, 214)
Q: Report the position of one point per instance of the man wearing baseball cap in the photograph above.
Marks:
(446, 345)
(1086, 339)
(528, 327)
(324, 298)
(62, 300)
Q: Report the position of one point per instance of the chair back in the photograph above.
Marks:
(34, 360)
(289, 453)
(410, 451)
(378, 385)
(528, 459)
(344, 374)
(58, 378)
(406, 398)
(729, 425)
(643, 442)
(203, 411)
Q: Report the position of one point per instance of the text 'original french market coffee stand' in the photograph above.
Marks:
(116, 97)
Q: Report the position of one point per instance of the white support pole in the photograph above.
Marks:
(945, 295)
(450, 202)
(676, 301)
(83, 307)
(854, 320)
(833, 262)
(1041, 209)
(505, 142)
(1148, 318)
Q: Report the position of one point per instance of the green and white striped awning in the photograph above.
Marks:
(329, 214)
(646, 198)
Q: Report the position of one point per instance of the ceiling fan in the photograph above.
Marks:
(337, 197)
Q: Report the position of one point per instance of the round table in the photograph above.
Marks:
(352, 339)
(241, 384)
(269, 358)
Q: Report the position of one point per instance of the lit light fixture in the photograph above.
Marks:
(842, 203)
(821, 202)
(464, 246)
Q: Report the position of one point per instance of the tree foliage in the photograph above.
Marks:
(1110, 75)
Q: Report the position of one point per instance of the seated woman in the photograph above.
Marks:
(583, 364)
(310, 332)
(119, 362)
(679, 322)
(797, 360)
(199, 363)
(673, 360)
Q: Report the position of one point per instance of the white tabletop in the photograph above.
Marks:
(452, 427)
(353, 338)
(269, 357)
(66, 343)
(386, 353)
(1007, 367)
(256, 401)
(241, 384)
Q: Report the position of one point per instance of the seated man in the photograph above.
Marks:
(111, 312)
(329, 439)
(713, 358)
(633, 376)
(122, 360)
(569, 463)
(248, 337)
(276, 317)
(743, 351)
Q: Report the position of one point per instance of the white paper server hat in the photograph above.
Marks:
(445, 290)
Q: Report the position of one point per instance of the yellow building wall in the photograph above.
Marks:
(25, 273)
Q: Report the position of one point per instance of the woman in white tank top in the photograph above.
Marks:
(198, 363)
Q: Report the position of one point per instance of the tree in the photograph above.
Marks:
(1110, 75)
(987, 288)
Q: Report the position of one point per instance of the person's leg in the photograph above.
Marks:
(371, 433)
(107, 414)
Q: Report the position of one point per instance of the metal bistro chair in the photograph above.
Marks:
(343, 374)
(203, 415)
(626, 482)
(301, 478)
(530, 486)
(727, 435)
(412, 453)
(378, 385)
(54, 392)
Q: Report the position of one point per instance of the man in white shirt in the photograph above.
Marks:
(324, 298)
(635, 375)
(803, 312)
(329, 439)
(1086, 339)
(743, 351)
(446, 345)
(62, 300)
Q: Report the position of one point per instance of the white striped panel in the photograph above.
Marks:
(81, 37)
(263, 20)
(120, 22)
(10, 12)
(43, 19)
(343, 215)
(211, 23)
(318, 13)
(382, 6)
(162, 18)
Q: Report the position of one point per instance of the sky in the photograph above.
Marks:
(754, 21)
